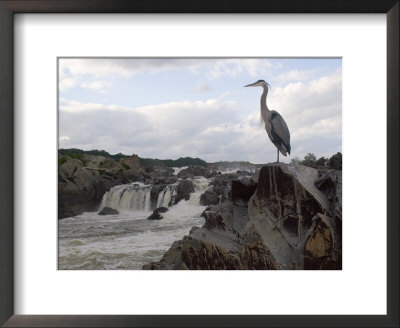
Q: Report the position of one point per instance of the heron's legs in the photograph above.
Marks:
(278, 156)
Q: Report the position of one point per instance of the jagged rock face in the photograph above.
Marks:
(209, 197)
(242, 190)
(183, 191)
(293, 221)
(132, 162)
(82, 184)
(289, 202)
(222, 244)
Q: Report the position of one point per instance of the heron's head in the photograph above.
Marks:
(259, 83)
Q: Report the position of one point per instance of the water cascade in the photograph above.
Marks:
(166, 197)
(200, 186)
(129, 197)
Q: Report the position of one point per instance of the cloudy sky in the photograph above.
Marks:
(171, 108)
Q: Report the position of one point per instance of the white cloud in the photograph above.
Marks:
(202, 88)
(310, 108)
(215, 68)
(74, 106)
(235, 67)
(99, 67)
(67, 83)
(212, 129)
(99, 86)
(296, 75)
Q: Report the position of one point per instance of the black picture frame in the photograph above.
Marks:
(10, 7)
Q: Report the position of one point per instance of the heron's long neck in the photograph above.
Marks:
(264, 109)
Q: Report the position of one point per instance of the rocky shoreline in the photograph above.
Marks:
(83, 182)
(283, 216)
(292, 220)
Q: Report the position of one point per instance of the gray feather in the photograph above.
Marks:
(280, 131)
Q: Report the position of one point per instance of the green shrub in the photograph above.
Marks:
(295, 160)
(126, 166)
(309, 159)
(62, 160)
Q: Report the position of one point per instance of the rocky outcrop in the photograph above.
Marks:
(221, 188)
(335, 162)
(156, 215)
(108, 211)
(292, 221)
(185, 188)
(209, 197)
(242, 189)
(83, 182)
(196, 170)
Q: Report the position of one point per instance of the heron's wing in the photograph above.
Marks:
(280, 130)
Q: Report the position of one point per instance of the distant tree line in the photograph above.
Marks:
(78, 154)
(182, 161)
(310, 160)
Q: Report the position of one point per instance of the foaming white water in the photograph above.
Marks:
(166, 195)
(178, 169)
(200, 185)
(126, 241)
(129, 197)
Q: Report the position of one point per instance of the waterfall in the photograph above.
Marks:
(137, 196)
(130, 197)
(178, 169)
(166, 197)
(200, 186)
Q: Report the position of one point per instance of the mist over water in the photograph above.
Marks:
(127, 240)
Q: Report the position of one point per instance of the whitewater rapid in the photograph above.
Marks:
(127, 240)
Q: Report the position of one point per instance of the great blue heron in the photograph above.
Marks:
(275, 125)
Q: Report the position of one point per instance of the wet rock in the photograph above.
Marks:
(161, 209)
(155, 190)
(156, 215)
(193, 230)
(292, 221)
(185, 188)
(242, 190)
(209, 197)
(108, 211)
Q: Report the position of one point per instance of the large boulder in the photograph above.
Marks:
(209, 197)
(292, 221)
(132, 162)
(82, 183)
(108, 211)
(242, 189)
(157, 213)
(222, 185)
(185, 188)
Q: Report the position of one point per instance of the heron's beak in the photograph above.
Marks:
(251, 85)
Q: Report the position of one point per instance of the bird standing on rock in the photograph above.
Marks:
(275, 125)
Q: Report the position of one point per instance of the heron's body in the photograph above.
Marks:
(275, 125)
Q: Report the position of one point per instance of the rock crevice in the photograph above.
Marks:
(292, 220)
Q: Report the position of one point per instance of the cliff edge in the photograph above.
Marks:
(289, 216)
